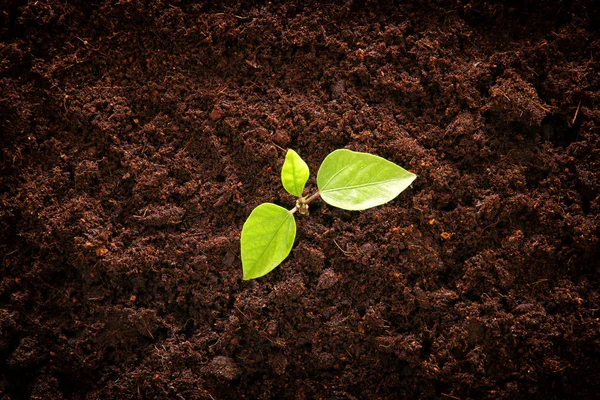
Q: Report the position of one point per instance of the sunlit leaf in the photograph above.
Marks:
(294, 173)
(267, 238)
(357, 181)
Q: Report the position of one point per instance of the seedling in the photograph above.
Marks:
(346, 179)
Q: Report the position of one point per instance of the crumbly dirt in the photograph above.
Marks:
(137, 135)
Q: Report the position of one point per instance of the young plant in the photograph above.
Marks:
(346, 179)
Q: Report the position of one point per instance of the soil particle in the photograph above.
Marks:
(223, 367)
(515, 100)
(216, 114)
(160, 216)
(26, 354)
(279, 364)
(311, 258)
(288, 290)
(327, 279)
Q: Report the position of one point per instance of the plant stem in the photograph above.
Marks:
(308, 200)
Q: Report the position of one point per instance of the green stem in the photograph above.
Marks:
(309, 199)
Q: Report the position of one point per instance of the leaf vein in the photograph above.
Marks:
(361, 185)
(336, 174)
(271, 240)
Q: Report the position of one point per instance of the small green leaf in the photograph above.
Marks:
(267, 238)
(357, 181)
(294, 173)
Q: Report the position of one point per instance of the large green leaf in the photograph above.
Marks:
(294, 173)
(357, 181)
(267, 238)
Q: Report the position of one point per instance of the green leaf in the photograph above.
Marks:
(357, 181)
(267, 238)
(294, 173)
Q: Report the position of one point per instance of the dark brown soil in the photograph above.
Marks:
(137, 136)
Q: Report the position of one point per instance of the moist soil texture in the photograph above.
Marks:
(136, 137)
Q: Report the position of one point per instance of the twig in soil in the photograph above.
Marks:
(546, 109)
(540, 281)
(576, 112)
(350, 354)
(491, 225)
(86, 44)
(346, 252)
(6, 255)
(280, 148)
(450, 396)
(232, 15)
(147, 330)
(241, 312)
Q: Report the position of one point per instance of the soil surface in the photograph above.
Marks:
(136, 137)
